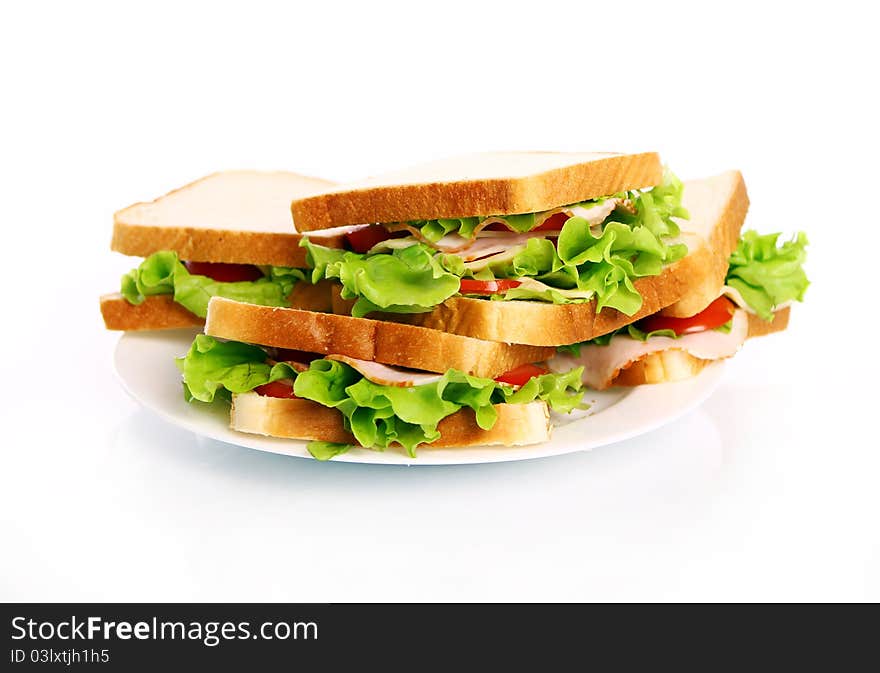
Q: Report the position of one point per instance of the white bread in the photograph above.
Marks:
(717, 207)
(676, 365)
(496, 183)
(517, 424)
(717, 242)
(162, 312)
(237, 217)
(386, 342)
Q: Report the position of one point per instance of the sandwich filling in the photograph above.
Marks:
(192, 284)
(379, 405)
(763, 277)
(582, 252)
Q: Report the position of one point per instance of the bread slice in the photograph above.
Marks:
(517, 424)
(237, 217)
(162, 312)
(721, 239)
(156, 312)
(717, 207)
(386, 342)
(676, 365)
(497, 183)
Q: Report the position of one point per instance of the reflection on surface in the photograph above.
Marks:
(663, 465)
(258, 510)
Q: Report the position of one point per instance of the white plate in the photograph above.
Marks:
(145, 364)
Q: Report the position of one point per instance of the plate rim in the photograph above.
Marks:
(652, 400)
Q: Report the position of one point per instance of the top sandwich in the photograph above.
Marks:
(601, 246)
(228, 234)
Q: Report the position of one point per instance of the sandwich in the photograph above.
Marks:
(341, 381)
(460, 303)
(228, 234)
(545, 249)
(642, 271)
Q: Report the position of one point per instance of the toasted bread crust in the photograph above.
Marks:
(721, 204)
(386, 342)
(207, 220)
(662, 367)
(517, 424)
(575, 178)
(162, 312)
(676, 365)
(759, 327)
(214, 245)
(156, 312)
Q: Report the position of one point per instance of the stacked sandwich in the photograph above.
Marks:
(462, 302)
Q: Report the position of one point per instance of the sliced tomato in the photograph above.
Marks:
(364, 239)
(276, 389)
(226, 273)
(521, 375)
(714, 315)
(472, 286)
(552, 223)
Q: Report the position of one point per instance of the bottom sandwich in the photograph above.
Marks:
(337, 401)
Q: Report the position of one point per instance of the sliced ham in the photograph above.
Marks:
(537, 286)
(385, 375)
(505, 255)
(492, 245)
(477, 249)
(602, 363)
(595, 214)
(336, 231)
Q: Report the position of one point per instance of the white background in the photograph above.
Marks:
(769, 491)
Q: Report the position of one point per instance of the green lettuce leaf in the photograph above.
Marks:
(766, 273)
(376, 415)
(212, 365)
(562, 392)
(326, 450)
(163, 273)
(407, 280)
(434, 230)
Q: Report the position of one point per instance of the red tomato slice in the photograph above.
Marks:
(276, 389)
(521, 375)
(714, 315)
(552, 223)
(471, 286)
(364, 239)
(226, 273)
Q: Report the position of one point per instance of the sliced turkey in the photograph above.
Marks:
(602, 363)
(385, 375)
